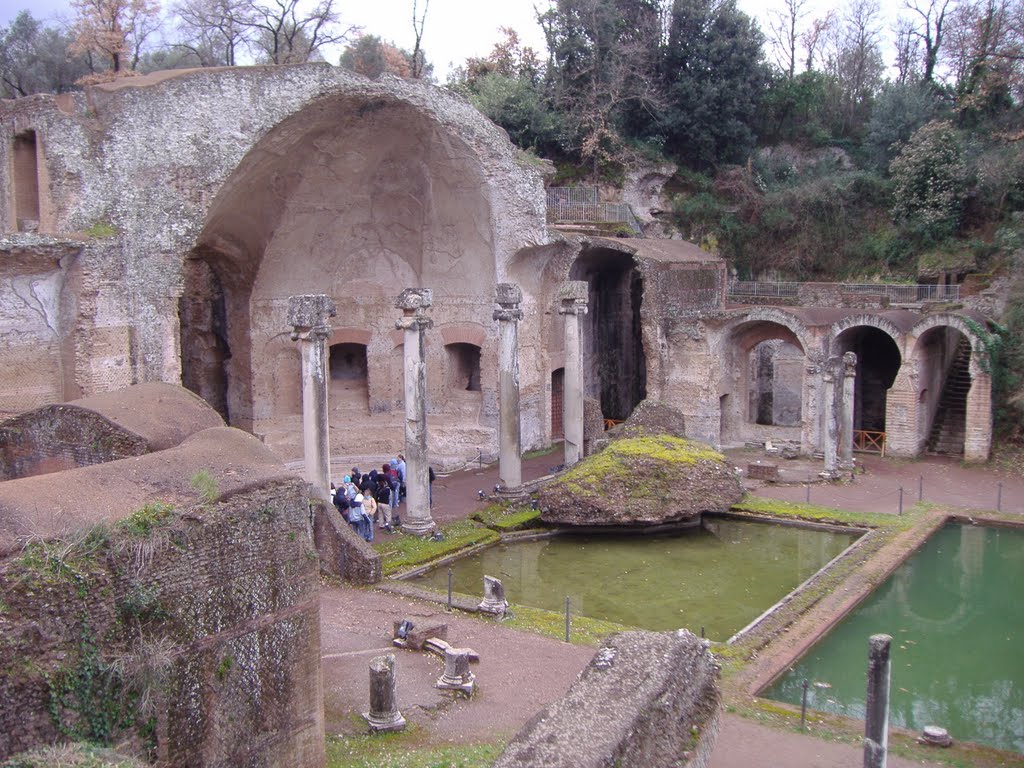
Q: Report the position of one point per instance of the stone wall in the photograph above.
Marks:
(343, 552)
(194, 634)
(647, 700)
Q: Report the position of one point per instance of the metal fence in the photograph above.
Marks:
(896, 293)
(574, 205)
(559, 195)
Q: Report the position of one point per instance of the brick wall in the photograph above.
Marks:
(59, 437)
(211, 617)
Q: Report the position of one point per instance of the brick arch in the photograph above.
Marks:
(886, 326)
(756, 326)
(463, 333)
(950, 320)
(350, 336)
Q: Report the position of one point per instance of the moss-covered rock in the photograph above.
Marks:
(650, 417)
(642, 481)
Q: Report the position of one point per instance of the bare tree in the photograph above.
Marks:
(855, 61)
(925, 25)
(284, 33)
(214, 31)
(418, 57)
(784, 36)
(815, 37)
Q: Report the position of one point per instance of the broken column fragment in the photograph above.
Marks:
(383, 714)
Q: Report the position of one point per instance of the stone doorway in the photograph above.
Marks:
(349, 382)
(205, 351)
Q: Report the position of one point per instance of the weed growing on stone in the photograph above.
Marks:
(102, 229)
(72, 755)
(816, 513)
(206, 485)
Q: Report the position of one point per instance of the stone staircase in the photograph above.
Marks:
(948, 428)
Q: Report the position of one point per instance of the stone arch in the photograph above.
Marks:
(876, 342)
(764, 378)
(356, 197)
(614, 358)
(954, 392)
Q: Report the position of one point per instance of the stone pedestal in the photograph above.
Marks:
(414, 303)
(494, 601)
(308, 315)
(849, 365)
(572, 303)
(510, 464)
(457, 676)
(383, 714)
(876, 714)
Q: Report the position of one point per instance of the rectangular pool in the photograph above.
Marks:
(720, 577)
(955, 611)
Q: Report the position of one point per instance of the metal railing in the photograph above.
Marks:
(575, 205)
(897, 293)
(558, 195)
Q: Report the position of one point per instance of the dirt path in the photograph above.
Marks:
(519, 673)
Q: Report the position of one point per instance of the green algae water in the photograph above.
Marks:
(720, 577)
(956, 617)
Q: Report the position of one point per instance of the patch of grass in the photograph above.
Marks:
(72, 755)
(582, 630)
(404, 552)
(540, 452)
(404, 750)
(817, 513)
(501, 518)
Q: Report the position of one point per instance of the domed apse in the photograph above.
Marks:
(614, 364)
(353, 197)
(878, 362)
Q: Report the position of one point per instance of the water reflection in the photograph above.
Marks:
(956, 620)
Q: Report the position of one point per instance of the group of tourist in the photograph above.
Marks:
(372, 499)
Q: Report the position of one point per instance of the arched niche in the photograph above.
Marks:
(878, 362)
(354, 196)
(614, 360)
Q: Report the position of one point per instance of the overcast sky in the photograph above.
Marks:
(455, 29)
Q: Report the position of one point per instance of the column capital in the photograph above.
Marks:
(414, 303)
(849, 364)
(508, 296)
(308, 315)
(572, 297)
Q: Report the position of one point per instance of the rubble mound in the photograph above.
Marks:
(650, 417)
(642, 481)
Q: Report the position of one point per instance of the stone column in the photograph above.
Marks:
(510, 462)
(308, 316)
(414, 303)
(572, 302)
(876, 715)
(978, 420)
(829, 434)
(846, 412)
(383, 714)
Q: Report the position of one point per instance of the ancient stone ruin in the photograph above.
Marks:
(629, 708)
(155, 228)
(168, 599)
